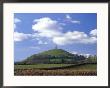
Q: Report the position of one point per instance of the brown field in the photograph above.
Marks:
(82, 70)
(60, 72)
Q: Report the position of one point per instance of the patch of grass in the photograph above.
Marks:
(40, 66)
(85, 67)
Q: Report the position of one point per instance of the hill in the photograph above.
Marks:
(54, 56)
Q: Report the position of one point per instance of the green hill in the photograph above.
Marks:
(54, 56)
(56, 52)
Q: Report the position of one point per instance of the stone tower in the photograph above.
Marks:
(56, 47)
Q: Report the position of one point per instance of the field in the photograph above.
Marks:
(41, 66)
(56, 70)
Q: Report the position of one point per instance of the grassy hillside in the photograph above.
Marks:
(56, 52)
(54, 56)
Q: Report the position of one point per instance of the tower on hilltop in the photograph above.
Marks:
(56, 47)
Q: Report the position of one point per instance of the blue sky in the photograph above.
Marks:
(37, 32)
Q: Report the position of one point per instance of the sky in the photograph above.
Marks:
(37, 32)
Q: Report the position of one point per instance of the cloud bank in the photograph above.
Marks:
(20, 36)
(52, 29)
(49, 28)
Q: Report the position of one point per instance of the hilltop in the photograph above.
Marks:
(56, 52)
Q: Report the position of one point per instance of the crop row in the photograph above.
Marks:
(58, 72)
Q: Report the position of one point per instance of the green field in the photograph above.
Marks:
(56, 70)
(38, 66)
(85, 67)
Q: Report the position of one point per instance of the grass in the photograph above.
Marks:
(33, 70)
(85, 67)
(56, 52)
(37, 66)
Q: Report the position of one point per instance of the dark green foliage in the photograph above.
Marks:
(92, 59)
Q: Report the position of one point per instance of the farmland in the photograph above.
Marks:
(56, 70)
(41, 66)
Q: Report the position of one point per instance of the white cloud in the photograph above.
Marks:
(69, 19)
(20, 36)
(41, 42)
(75, 21)
(46, 23)
(93, 32)
(89, 40)
(16, 20)
(74, 37)
(46, 27)
(74, 52)
(85, 55)
(49, 34)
